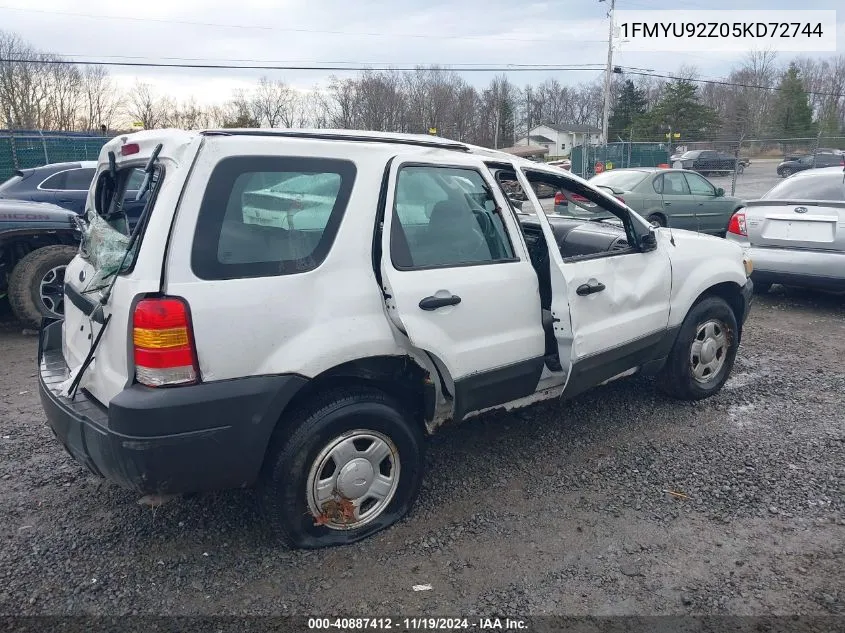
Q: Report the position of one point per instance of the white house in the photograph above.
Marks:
(560, 139)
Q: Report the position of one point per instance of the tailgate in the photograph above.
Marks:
(95, 292)
(817, 225)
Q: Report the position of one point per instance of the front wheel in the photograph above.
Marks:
(704, 352)
(786, 172)
(351, 465)
(655, 219)
(36, 285)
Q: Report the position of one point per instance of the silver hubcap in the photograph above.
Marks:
(353, 479)
(52, 290)
(709, 350)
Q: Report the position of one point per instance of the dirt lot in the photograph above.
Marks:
(562, 509)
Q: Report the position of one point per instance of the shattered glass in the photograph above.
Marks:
(104, 247)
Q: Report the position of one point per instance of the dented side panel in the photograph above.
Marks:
(634, 303)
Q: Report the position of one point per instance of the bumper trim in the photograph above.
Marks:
(210, 436)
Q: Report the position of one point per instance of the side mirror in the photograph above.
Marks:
(648, 242)
(719, 192)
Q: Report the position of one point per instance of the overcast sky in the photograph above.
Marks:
(401, 32)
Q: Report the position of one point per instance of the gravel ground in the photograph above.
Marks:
(560, 509)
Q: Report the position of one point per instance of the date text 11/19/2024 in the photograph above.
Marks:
(417, 624)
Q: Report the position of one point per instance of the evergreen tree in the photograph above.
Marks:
(681, 109)
(629, 107)
(793, 117)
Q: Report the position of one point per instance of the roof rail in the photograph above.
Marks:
(419, 141)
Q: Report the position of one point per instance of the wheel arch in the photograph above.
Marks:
(731, 293)
(401, 377)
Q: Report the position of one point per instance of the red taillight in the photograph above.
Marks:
(164, 343)
(559, 199)
(129, 149)
(621, 199)
(577, 198)
(737, 224)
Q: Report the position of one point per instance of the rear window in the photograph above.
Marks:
(810, 187)
(263, 216)
(626, 180)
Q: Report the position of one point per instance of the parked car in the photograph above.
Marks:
(311, 356)
(65, 185)
(707, 161)
(796, 232)
(811, 161)
(675, 198)
(37, 240)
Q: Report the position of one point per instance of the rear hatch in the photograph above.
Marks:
(804, 224)
(114, 268)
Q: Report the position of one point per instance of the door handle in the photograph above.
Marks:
(432, 303)
(588, 289)
(667, 204)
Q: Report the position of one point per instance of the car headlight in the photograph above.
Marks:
(749, 266)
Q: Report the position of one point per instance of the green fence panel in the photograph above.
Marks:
(618, 155)
(24, 150)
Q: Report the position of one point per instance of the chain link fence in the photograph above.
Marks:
(637, 154)
(24, 149)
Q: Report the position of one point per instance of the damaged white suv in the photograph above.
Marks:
(296, 310)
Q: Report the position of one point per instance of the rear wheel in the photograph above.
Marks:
(351, 466)
(704, 352)
(36, 285)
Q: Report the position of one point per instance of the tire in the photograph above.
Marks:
(656, 219)
(293, 460)
(677, 378)
(41, 269)
(762, 287)
(786, 172)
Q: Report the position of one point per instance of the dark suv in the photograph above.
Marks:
(65, 185)
(37, 240)
(829, 158)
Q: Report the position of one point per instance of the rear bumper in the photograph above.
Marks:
(196, 438)
(816, 269)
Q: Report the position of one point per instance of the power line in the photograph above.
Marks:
(307, 61)
(285, 29)
(465, 69)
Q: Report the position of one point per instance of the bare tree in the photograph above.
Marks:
(100, 100)
(66, 96)
(24, 85)
(145, 107)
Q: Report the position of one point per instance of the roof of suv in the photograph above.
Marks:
(424, 140)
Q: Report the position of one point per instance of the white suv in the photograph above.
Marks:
(298, 309)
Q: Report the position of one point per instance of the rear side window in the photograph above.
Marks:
(56, 181)
(263, 216)
(79, 179)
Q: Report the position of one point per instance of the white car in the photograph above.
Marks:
(795, 233)
(298, 309)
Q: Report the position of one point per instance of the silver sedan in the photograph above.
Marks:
(795, 234)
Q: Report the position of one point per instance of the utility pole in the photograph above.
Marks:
(528, 117)
(608, 74)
